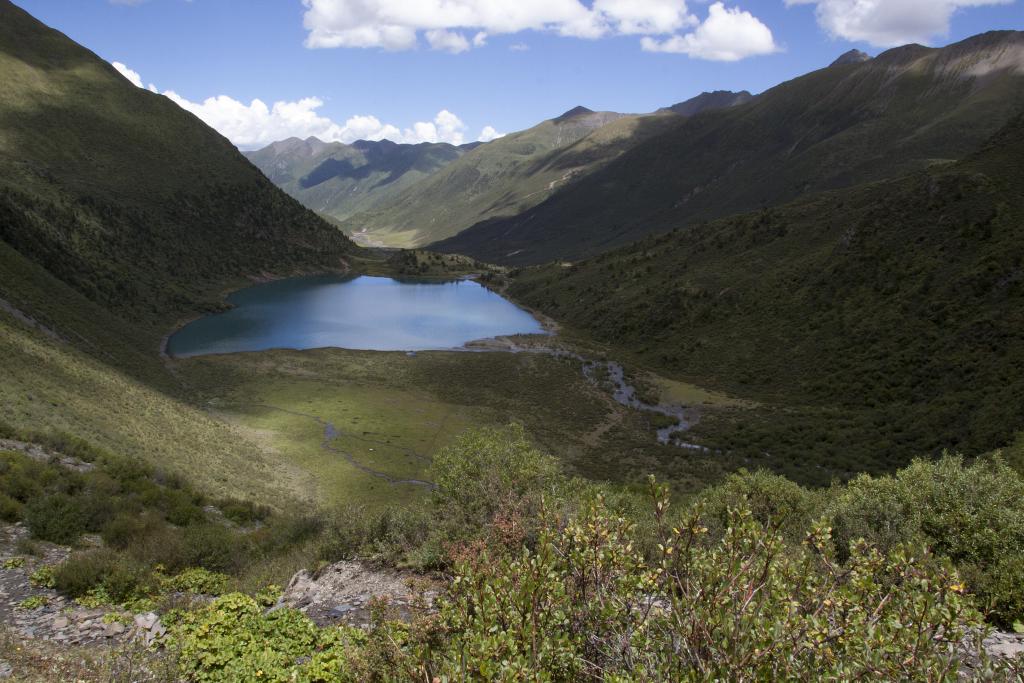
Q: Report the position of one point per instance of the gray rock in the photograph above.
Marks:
(114, 629)
(6, 670)
(60, 622)
(146, 621)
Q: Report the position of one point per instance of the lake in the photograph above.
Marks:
(369, 313)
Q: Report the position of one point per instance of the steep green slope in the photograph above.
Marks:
(124, 195)
(886, 317)
(853, 122)
(119, 214)
(338, 180)
(501, 178)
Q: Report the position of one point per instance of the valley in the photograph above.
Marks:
(677, 395)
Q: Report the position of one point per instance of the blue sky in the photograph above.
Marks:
(635, 56)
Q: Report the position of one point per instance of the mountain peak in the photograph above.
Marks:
(706, 101)
(852, 57)
(573, 113)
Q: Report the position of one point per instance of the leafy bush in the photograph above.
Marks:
(211, 546)
(34, 602)
(585, 604)
(974, 515)
(117, 577)
(391, 534)
(10, 509)
(58, 518)
(84, 571)
(772, 500)
(125, 529)
(487, 473)
(197, 580)
(43, 577)
(232, 640)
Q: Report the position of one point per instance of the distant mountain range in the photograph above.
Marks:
(586, 181)
(410, 195)
(338, 180)
(856, 121)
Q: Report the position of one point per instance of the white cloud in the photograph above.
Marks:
(449, 41)
(488, 134)
(256, 124)
(519, 47)
(727, 35)
(132, 76)
(397, 24)
(888, 23)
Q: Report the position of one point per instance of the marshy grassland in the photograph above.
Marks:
(358, 424)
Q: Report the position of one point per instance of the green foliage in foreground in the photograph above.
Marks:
(585, 604)
(159, 535)
(972, 515)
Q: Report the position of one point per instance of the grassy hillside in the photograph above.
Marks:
(850, 123)
(886, 318)
(121, 213)
(125, 196)
(502, 177)
(338, 180)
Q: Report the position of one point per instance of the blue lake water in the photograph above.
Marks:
(372, 313)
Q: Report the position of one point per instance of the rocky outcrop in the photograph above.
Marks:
(345, 592)
(41, 454)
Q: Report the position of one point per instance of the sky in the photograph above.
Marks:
(464, 70)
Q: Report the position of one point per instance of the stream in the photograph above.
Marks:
(624, 393)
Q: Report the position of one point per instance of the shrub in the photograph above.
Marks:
(212, 547)
(57, 518)
(486, 471)
(180, 507)
(125, 529)
(584, 604)
(773, 500)
(10, 509)
(243, 512)
(286, 531)
(390, 534)
(84, 571)
(587, 605)
(161, 544)
(973, 515)
(115, 576)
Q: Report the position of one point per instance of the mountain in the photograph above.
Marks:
(338, 180)
(904, 110)
(709, 101)
(126, 197)
(851, 57)
(514, 173)
(500, 178)
(882, 321)
(120, 215)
